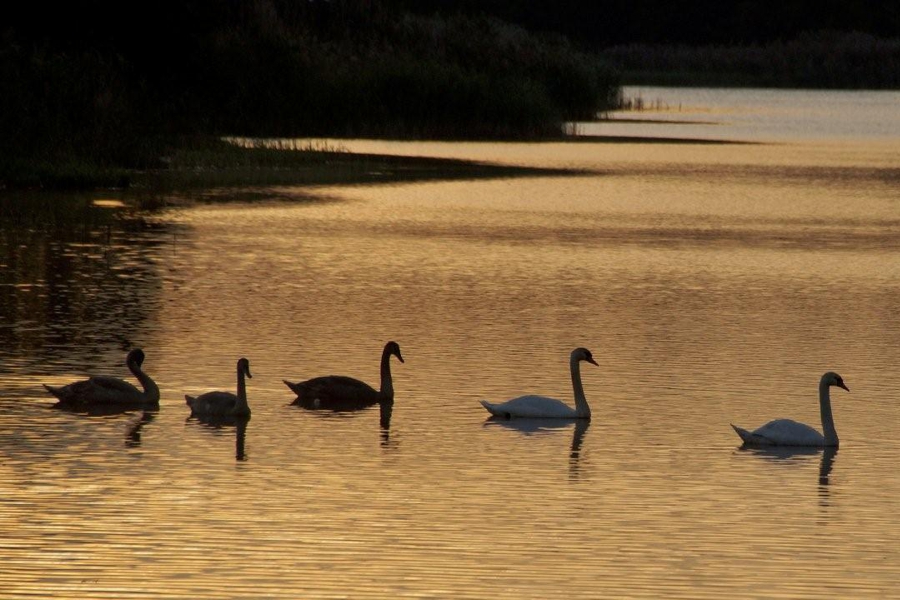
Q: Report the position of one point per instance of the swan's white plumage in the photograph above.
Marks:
(542, 407)
(782, 432)
(785, 432)
(537, 407)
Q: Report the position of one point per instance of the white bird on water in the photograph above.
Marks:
(541, 407)
(785, 432)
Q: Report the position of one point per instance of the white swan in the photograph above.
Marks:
(541, 407)
(785, 432)
(224, 403)
(338, 392)
(110, 391)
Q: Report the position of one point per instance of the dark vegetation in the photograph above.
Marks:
(93, 90)
(849, 44)
(827, 59)
(601, 24)
(91, 87)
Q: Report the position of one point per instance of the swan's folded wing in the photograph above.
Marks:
(113, 385)
(217, 398)
(786, 432)
(109, 390)
(337, 388)
(76, 391)
(534, 407)
(348, 383)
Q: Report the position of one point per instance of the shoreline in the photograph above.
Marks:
(233, 165)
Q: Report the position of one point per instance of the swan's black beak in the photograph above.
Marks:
(400, 358)
(843, 385)
(593, 362)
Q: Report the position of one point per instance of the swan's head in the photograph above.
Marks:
(831, 378)
(135, 357)
(584, 354)
(243, 366)
(393, 348)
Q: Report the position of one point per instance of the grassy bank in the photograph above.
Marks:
(202, 170)
(223, 164)
(84, 96)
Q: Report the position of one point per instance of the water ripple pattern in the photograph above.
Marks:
(713, 285)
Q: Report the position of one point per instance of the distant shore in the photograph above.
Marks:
(819, 60)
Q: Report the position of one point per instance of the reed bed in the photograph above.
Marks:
(104, 98)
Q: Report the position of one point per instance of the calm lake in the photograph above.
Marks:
(714, 283)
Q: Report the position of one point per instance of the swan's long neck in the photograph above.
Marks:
(828, 430)
(241, 405)
(387, 382)
(581, 405)
(151, 390)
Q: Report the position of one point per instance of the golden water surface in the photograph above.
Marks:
(713, 283)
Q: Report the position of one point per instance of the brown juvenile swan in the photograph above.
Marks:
(224, 403)
(340, 391)
(110, 391)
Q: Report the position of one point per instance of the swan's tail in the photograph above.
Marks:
(746, 436)
(189, 400)
(58, 392)
(293, 386)
(491, 408)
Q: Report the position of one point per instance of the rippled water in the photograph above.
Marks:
(714, 284)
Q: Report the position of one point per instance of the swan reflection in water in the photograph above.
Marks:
(795, 455)
(133, 431)
(351, 408)
(218, 424)
(547, 426)
(134, 425)
(386, 410)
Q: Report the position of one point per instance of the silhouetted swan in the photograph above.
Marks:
(224, 403)
(343, 393)
(785, 432)
(109, 391)
(541, 407)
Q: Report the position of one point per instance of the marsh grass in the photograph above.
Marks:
(241, 162)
